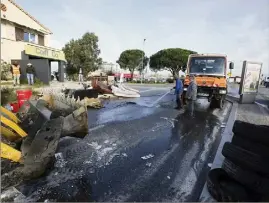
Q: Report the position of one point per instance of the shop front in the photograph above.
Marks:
(41, 58)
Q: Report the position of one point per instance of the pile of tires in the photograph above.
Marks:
(244, 175)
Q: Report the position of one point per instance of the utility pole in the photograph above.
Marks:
(143, 54)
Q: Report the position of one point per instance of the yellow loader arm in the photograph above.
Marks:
(8, 152)
(11, 115)
(8, 133)
(13, 126)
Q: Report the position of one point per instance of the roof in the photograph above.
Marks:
(206, 54)
(11, 1)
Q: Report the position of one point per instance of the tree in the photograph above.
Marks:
(82, 53)
(132, 60)
(170, 59)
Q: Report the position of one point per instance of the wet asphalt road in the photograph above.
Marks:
(140, 149)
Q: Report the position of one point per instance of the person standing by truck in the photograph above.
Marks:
(16, 73)
(178, 92)
(191, 94)
(30, 71)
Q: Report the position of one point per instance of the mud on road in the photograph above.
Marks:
(135, 151)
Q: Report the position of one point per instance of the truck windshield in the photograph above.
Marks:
(207, 65)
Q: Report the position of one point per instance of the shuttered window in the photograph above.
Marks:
(41, 40)
(19, 34)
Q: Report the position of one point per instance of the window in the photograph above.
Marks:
(26, 37)
(29, 37)
(19, 34)
(41, 40)
(207, 65)
(32, 38)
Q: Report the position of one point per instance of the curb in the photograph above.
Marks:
(219, 158)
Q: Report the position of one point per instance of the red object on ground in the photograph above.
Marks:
(21, 102)
(127, 75)
(23, 96)
(15, 107)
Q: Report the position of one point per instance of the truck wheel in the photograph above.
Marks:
(213, 103)
(217, 103)
(220, 103)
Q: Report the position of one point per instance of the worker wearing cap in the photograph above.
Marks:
(30, 71)
(16, 73)
(191, 94)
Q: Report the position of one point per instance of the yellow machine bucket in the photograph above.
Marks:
(11, 115)
(13, 126)
(9, 134)
(8, 152)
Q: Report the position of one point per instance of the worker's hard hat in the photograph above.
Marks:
(29, 64)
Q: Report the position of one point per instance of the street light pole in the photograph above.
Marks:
(143, 55)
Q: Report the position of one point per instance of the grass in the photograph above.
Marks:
(6, 82)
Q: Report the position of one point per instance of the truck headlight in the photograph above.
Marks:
(185, 89)
(222, 91)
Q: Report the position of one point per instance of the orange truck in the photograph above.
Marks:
(210, 75)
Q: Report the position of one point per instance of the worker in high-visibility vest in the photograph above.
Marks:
(16, 73)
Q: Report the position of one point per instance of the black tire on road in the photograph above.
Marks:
(248, 144)
(223, 188)
(246, 159)
(220, 103)
(258, 133)
(251, 180)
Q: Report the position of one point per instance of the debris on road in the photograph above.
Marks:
(60, 162)
(148, 164)
(147, 157)
(124, 154)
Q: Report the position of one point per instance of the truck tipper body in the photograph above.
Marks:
(210, 75)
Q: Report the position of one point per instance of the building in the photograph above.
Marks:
(25, 39)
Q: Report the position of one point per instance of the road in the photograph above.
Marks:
(138, 149)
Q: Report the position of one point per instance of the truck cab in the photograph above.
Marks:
(210, 75)
(266, 81)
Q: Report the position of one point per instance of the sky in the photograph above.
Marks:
(237, 28)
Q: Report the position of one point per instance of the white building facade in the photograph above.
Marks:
(22, 34)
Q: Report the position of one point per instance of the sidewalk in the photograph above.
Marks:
(252, 113)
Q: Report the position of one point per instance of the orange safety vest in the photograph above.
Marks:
(16, 70)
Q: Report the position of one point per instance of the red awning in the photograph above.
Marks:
(127, 75)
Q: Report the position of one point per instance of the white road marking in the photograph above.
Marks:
(146, 90)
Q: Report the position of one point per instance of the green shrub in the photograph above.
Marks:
(38, 83)
(170, 80)
(7, 95)
(5, 71)
(23, 81)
